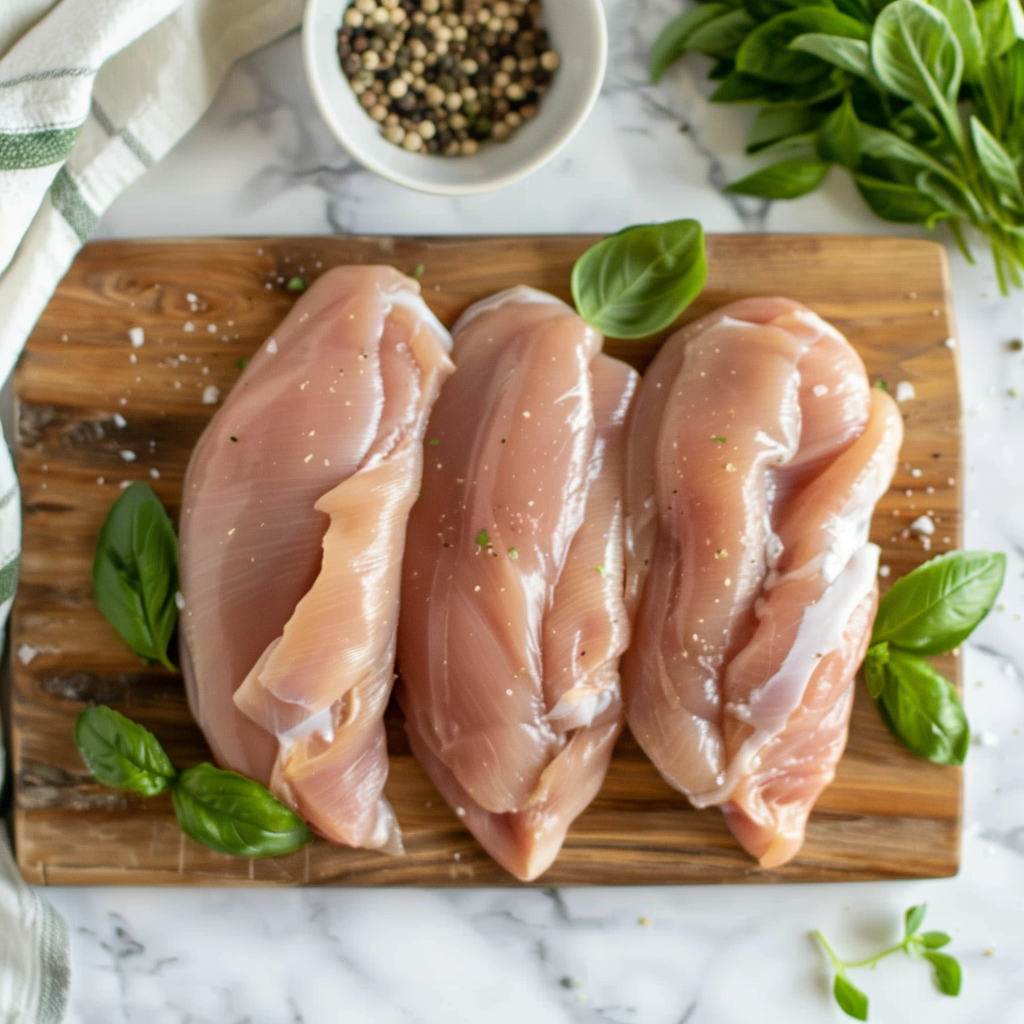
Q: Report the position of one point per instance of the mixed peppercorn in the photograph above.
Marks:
(444, 76)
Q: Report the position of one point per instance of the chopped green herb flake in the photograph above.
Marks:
(297, 284)
(434, 441)
(882, 386)
(1016, 345)
(419, 270)
(483, 539)
(513, 553)
(718, 438)
(601, 570)
(243, 362)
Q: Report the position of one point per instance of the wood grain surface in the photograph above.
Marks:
(95, 410)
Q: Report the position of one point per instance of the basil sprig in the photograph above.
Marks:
(930, 611)
(931, 94)
(220, 809)
(916, 944)
(638, 281)
(135, 573)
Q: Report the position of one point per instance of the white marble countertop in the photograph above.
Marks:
(262, 162)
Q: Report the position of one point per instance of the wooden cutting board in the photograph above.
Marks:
(96, 410)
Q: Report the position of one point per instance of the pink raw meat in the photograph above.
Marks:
(757, 451)
(292, 529)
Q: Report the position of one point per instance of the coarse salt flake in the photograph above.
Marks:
(905, 391)
(179, 600)
(137, 336)
(211, 394)
(923, 525)
(820, 390)
(128, 456)
(26, 653)
(212, 328)
(272, 347)
(189, 327)
(191, 297)
(119, 420)
(884, 571)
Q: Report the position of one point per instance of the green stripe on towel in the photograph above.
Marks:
(68, 202)
(22, 150)
(9, 579)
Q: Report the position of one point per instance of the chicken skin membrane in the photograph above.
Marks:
(757, 452)
(292, 532)
(513, 619)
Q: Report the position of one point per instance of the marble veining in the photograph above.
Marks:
(262, 162)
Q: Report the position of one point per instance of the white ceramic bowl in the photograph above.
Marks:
(578, 33)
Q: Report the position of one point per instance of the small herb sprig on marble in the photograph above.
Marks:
(916, 944)
(922, 102)
(929, 612)
(219, 809)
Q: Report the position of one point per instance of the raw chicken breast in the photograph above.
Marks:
(292, 531)
(757, 451)
(513, 618)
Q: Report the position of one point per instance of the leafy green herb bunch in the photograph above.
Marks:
(923, 102)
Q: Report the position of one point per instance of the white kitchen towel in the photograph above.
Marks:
(91, 93)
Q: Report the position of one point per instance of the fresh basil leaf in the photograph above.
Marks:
(234, 815)
(1000, 99)
(915, 54)
(934, 940)
(886, 145)
(919, 127)
(774, 124)
(673, 40)
(722, 36)
(852, 55)
(998, 164)
(874, 668)
(1001, 24)
(901, 204)
(135, 573)
(913, 918)
(801, 147)
(738, 87)
(952, 194)
(121, 753)
(839, 136)
(765, 51)
(946, 971)
(787, 179)
(763, 10)
(851, 1000)
(923, 710)
(964, 23)
(937, 606)
(855, 9)
(638, 281)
